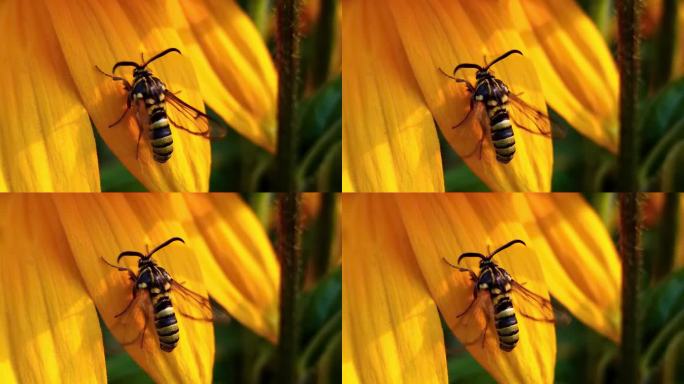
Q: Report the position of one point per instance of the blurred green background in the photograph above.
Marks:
(579, 163)
(240, 165)
(244, 357)
(585, 356)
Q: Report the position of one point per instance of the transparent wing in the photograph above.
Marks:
(477, 113)
(531, 305)
(530, 119)
(134, 325)
(214, 132)
(474, 320)
(191, 304)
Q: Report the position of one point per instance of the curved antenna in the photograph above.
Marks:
(160, 54)
(501, 248)
(129, 253)
(466, 65)
(505, 55)
(164, 244)
(125, 64)
(470, 254)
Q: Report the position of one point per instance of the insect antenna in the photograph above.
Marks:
(505, 55)
(501, 248)
(129, 253)
(160, 54)
(470, 254)
(164, 244)
(125, 64)
(466, 65)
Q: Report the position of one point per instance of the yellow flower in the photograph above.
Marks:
(395, 281)
(52, 280)
(393, 91)
(54, 90)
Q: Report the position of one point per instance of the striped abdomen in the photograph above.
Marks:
(506, 323)
(165, 321)
(502, 132)
(160, 131)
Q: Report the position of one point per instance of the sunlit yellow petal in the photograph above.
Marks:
(50, 329)
(46, 141)
(446, 225)
(577, 71)
(582, 268)
(443, 33)
(242, 253)
(103, 225)
(236, 74)
(103, 33)
(392, 332)
(390, 143)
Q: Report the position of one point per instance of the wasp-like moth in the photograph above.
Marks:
(152, 289)
(149, 95)
(493, 96)
(493, 291)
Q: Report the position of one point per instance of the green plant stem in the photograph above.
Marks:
(262, 204)
(259, 11)
(599, 10)
(320, 340)
(325, 32)
(658, 153)
(660, 342)
(662, 261)
(290, 280)
(628, 51)
(325, 229)
(287, 62)
(665, 46)
(631, 266)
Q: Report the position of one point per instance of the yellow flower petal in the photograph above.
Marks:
(577, 71)
(236, 74)
(102, 33)
(102, 226)
(444, 33)
(582, 267)
(49, 328)
(389, 141)
(446, 225)
(391, 328)
(46, 141)
(244, 272)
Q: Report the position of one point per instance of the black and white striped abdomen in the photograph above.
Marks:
(506, 323)
(160, 131)
(502, 132)
(165, 322)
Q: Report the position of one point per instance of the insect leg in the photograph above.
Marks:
(483, 335)
(470, 306)
(131, 274)
(117, 78)
(130, 303)
(128, 108)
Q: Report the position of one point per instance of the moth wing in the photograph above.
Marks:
(215, 130)
(190, 303)
(529, 118)
(532, 305)
(135, 324)
(474, 318)
(477, 113)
